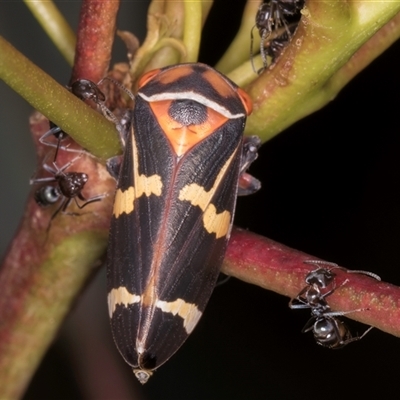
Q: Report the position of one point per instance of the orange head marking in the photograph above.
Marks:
(184, 134)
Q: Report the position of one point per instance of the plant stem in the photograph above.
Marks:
(56, 27)
(90, 129)
(239, 50)
(273, 266)
(303, 79)
(96, 30)
(45, 268)
(192, 29)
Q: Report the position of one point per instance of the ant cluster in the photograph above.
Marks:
(276, 21)
(63, 187)
(328, 328)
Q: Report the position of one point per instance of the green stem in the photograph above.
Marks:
(206, 6)
(239, 50)
(304, 79)
(55, 25)
(192, 29)
(244, 74)
(90, 129)
(372, 49)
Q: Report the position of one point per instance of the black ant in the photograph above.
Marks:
(278, 17)
(329, 330)
(68, 186)
(84, 89)
(324, 276)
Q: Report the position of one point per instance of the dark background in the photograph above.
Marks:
(330, 188)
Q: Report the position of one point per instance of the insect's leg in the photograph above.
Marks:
(61, 208)
(301, 302)
(371, 274)
(113, 164)
(341, 313)
(64, 167)
(309, 325)
(108, 114)
(222, 279)
(321, 262)
(53, 131)
(88, 201)
(41, 180)
(251, 49)
(247, 183)
(262, 51)
(349, 271)
(121, 87)
(329, 292)
(355, 338)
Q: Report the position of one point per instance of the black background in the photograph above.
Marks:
(330, 188)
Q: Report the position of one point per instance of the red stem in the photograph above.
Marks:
(271, 265)
(95, 37)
